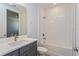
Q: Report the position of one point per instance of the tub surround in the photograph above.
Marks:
(6, 47)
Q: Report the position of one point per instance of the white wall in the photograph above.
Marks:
(60, 26)
(33, 21)
(63, 16)
(23, 22)
(77, 28)
(2, 21)
(34, 14)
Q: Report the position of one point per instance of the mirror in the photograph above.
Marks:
(12, 20)
(12, 23)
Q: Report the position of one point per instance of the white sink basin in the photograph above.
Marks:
(18, 42)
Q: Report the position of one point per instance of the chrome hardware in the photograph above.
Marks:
(43, 34)
(76, 49)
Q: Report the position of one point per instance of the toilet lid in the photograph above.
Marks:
(42, 49)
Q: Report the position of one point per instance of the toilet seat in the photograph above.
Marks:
(42, 50)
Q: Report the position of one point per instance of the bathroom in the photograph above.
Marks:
(39, 29)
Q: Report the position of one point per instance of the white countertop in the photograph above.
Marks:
(5, 48)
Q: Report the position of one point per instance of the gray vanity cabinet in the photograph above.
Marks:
(14, 53)
(28, 50)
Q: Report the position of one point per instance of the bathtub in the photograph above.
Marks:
(58, 51)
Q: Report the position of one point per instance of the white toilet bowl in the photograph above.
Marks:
(42, 50)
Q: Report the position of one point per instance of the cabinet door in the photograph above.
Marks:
(14, 53)
(25, 49)
(29, 50)
(33, 51)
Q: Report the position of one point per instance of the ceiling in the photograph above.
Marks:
(37, 4)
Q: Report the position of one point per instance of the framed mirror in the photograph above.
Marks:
(13, 20)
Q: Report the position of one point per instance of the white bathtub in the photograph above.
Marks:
(58, 51)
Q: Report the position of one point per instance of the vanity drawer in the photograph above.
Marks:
(27, 48)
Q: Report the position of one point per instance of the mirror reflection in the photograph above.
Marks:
(12, 23)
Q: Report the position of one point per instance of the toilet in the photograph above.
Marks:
(42, 51)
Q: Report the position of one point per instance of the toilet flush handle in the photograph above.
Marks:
(43, 34)
(44, 38)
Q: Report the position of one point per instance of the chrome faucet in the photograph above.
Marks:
(15, 37)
